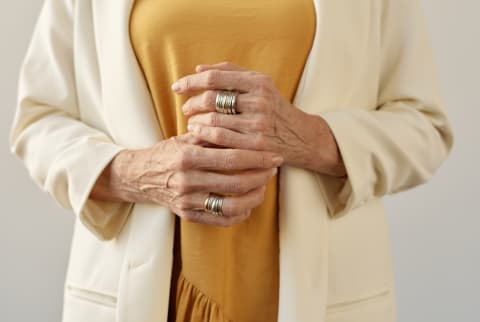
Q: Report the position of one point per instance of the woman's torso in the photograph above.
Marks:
(227, 273)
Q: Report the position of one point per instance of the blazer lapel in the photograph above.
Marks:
(302, 214)
(146, 272)
(126, 96)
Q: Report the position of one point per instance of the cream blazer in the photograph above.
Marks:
(370, 75)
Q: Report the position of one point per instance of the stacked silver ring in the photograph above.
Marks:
(226, 102)
(214, 204)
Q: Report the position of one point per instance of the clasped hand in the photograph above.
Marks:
(232, 155)
(266, 120)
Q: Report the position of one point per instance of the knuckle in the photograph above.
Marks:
(204, 100)
(211, 78)
(186, 83)
(218, 136)
(182, 183)
(208, 97)
(187, 106)
(229, 161)
(235, 187)
(202, 132)
(212, 95)
(214, 119)
(184, 160)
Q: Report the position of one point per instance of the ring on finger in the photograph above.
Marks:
(226, 102)
(214, 204)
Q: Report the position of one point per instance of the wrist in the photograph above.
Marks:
(112, 184)
(123, 171)
(318, 149)
(331, 158)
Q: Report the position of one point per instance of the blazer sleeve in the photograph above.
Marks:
(63, 155)
(402, 142)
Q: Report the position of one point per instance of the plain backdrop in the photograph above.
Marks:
(435, 229)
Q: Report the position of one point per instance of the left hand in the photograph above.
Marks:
(266, 120)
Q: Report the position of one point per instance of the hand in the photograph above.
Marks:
(267, 121)
(179, 173)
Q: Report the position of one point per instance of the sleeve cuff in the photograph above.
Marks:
(343, 195)
(104, 219)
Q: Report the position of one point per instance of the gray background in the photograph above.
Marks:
(434, 228)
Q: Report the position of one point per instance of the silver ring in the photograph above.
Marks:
(226, 102)
(214, 204)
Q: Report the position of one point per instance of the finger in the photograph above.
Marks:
(205, 102)
(243, 81)
(205, 218)
(237, 205)
(202, 103)
(190, 138)
(239, 123)
(220, 183)
(230, 159)
(220, 66)
(230, 139)
(234, 209)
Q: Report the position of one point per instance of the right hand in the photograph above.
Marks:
(180, 174)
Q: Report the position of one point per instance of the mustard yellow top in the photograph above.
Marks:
(226, 274)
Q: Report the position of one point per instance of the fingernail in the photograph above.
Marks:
(198, 68)
(176, 87)
(274, 172)
(185, 109)
(277, 160)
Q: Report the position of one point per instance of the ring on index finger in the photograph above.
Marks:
(226, 102)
